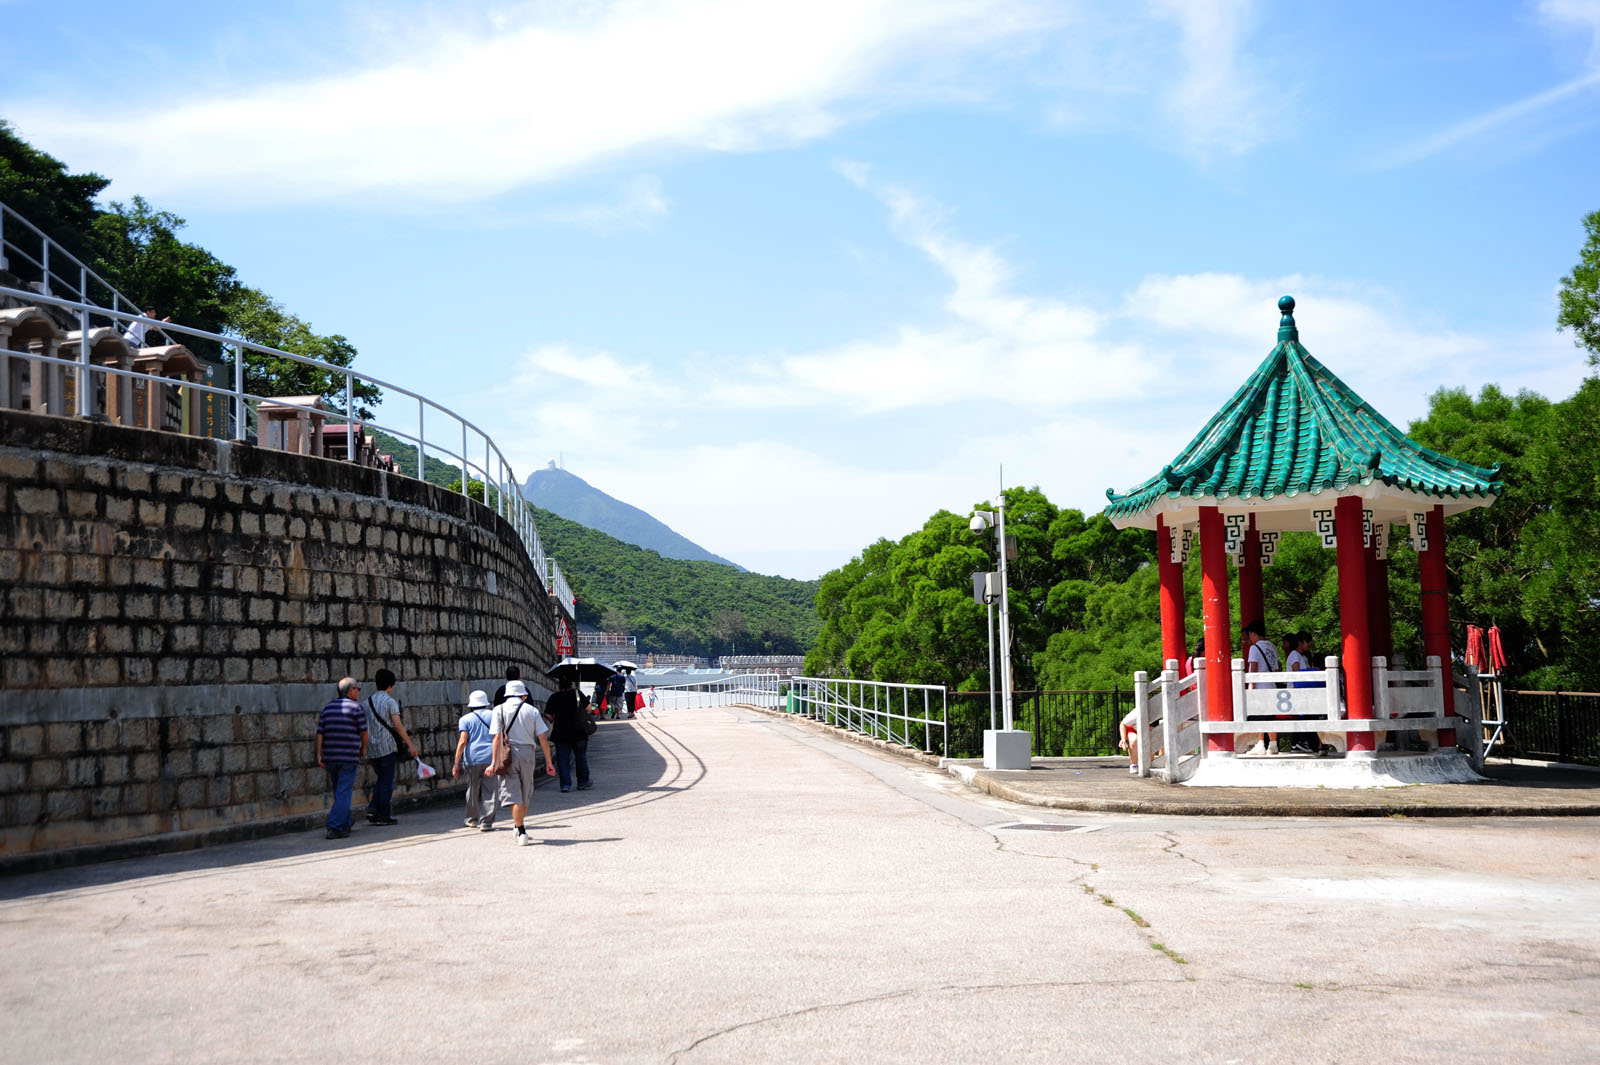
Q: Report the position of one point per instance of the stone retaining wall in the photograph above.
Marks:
(174, 611)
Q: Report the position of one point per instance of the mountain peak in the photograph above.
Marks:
(577, 500)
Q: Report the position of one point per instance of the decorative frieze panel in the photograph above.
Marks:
(1419, 532)
(1380, 538)
(1269, 546)
(1233, 534)
(1325, 527)
(1366, 528)
(1179, 540)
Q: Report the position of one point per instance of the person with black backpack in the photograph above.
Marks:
(388, 738)
(570, 728)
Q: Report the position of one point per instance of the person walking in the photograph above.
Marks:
(474, 753)
(341, 745)
(516, 726)
(650, 699)
(616, 688)
(389, 737)
(569, 731)
(630, 692)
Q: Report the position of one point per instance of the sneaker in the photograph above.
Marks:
(1300, 748)
(1328, 751)
(567, 788)
(486, 826)
(471, 822)
(1259, 748)
(586, 785)
(382, 821)
(334, 833)
(1134, 770)
(523, 839)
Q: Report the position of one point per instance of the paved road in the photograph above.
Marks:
(737, 890)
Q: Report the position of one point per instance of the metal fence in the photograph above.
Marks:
(747, 689)
(1552, 726)
(915, 715)
(1063, 723)
(87, 382)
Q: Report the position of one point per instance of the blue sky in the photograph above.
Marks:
(793, 276)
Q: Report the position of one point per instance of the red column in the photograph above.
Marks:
(1173, 638)
(1379, 620)
(1218, 626)
(1356, 652)
(1436, 612)
(1252, 605)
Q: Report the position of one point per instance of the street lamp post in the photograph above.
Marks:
(1003, 748)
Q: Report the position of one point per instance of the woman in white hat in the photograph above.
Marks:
(474, 751)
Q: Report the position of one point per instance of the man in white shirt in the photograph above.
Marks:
(134, 334)
(1262, 657)
(516, 726)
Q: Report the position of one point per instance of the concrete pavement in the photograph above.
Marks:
(737, 888)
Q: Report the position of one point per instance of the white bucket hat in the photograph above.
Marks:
(478, 700)
(516, 687)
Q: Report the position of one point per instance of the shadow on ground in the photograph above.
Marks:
(631, 762)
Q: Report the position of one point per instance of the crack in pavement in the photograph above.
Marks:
(1172, 849)
(908, 992)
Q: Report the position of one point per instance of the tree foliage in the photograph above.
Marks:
(137, 249)
(1580, 293)
(1085, 602)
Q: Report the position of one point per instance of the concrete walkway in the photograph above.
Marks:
(741, 889)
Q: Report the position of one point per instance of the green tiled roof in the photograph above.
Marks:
(1294, 427)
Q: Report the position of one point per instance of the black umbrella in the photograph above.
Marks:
(580, 669)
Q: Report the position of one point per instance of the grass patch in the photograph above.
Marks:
(1169, 952)
(1135, 918)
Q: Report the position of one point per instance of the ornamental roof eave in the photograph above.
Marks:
(1296, 513)
(1292, 439)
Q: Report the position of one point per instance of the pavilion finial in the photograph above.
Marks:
(1286, 326)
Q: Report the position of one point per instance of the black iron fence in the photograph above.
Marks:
(1063, 723)
(1554, 726)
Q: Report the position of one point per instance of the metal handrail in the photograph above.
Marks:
(47, 272)
(562, 591)
(503, 481)
(844, 702)
(748, 689)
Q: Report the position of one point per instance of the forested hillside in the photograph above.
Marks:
(676, 605)
(577, 500)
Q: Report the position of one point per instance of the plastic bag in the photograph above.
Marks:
(425, 771)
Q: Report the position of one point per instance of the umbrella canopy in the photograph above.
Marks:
(580, 669)
(625, 665)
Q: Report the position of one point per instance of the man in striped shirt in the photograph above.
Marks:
(341, 744)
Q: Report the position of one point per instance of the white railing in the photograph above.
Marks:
(869, 707)
(562, 591)
(503, 489)
(1166, 716)
(1170, 722)
(60, 272)
(746, 689)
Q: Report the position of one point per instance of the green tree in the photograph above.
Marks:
(136, 248)
(254, 316)
(1580, 293)
(41, 189)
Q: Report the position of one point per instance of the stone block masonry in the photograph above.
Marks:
(174, 611)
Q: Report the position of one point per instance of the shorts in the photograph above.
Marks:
(517, 782)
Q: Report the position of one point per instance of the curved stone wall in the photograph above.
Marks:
(176, 610)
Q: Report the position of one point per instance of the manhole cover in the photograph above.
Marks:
(1031, 826)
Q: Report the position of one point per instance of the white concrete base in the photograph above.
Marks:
(1004, 749)
(1352, 771)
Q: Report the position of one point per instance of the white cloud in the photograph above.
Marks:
(641, 202)
(459, 113)
(793, 465)
(1525, 122)
(1218, 105)
(440, 106)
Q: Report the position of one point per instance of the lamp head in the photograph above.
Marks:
(980, 521)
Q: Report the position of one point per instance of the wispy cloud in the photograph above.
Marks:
(1218, 105)
(1563, 16)
(641, 202)
(538, 92)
